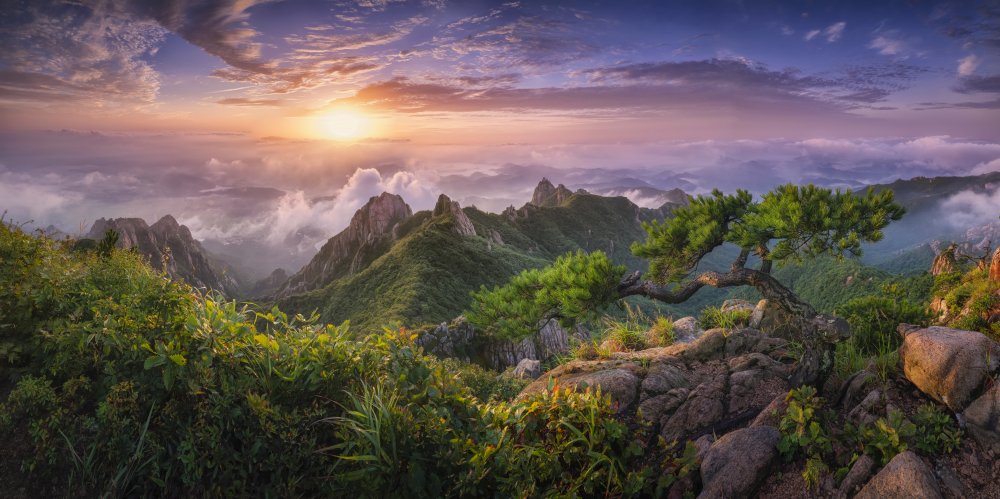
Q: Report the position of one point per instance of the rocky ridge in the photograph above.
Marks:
(169, 242)
(369, 234)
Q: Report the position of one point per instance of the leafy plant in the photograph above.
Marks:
(937, 432)
(888, 437)
(802, 433)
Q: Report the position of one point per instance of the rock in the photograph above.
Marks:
(982, 419)
(995, 266)
(744, 387)
(944, 262)
(857, 476)
(366, 238)
(620, 383)
(528, 369)
(864, 412)
(710, 345)
(548, 195)
(905, 477)
(771, 414)
(446, 207)
(703, 407)
(686, 330)
(752, 360)
(664, 377)
(170, 247)
(951, 483)
(770, 318)
(737, 464)
(950, 365)
(736, 304)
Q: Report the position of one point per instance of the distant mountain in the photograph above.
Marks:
(927, 219)
(369, 235)
(168, 241)
(421, 267)
(648, 196)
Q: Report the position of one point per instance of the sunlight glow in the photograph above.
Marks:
(344, 124)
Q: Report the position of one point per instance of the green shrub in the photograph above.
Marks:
(874, 319)
(937, 432)
(888, 437)
(487, 385)
(661, 333)
(714, 317)
(803, 434)
(119, 382)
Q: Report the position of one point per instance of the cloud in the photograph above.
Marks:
(65, 52)
(979, 84)
(834, 31)
(242, 101)
(740, 84)
(967, 65)
(285, 218)
(969, 208)
(886, 45)
(811, 34)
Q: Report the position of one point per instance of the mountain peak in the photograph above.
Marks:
(463, 226)
(547, 194)
(377, 217)
(366, 238)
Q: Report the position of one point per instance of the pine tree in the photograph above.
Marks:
(789, 224)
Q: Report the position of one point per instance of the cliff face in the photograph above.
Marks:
(445, 206)
(547, 194)
(369, 235)
(167, 241)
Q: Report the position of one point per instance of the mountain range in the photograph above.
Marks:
(394, 264)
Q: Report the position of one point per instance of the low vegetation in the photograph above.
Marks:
(119, 382)
(812, 432)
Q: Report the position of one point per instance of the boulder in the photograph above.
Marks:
(703, 408)
(736, 304)
(859, 474)
(905, 477)
(686, 330)
(737, 464)
(982, 418)
(771, 414)
(528, 369)
(770, 318)
(950, 365)
(619, 382)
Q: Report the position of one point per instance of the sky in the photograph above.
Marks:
(276, 120)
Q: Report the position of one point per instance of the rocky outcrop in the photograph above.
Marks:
(905, 477)
(950, 365)
(945, 262)
(982, 418)
(719, 381)
(459, 339)
(736, 464)
(686, 330)
(169, 246)
(528, 369)
(995, 266)
(547, 194)
(369, 235)
(446, 207)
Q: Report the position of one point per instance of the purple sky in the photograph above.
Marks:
(235, 116)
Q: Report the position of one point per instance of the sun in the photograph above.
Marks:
(344, 124)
